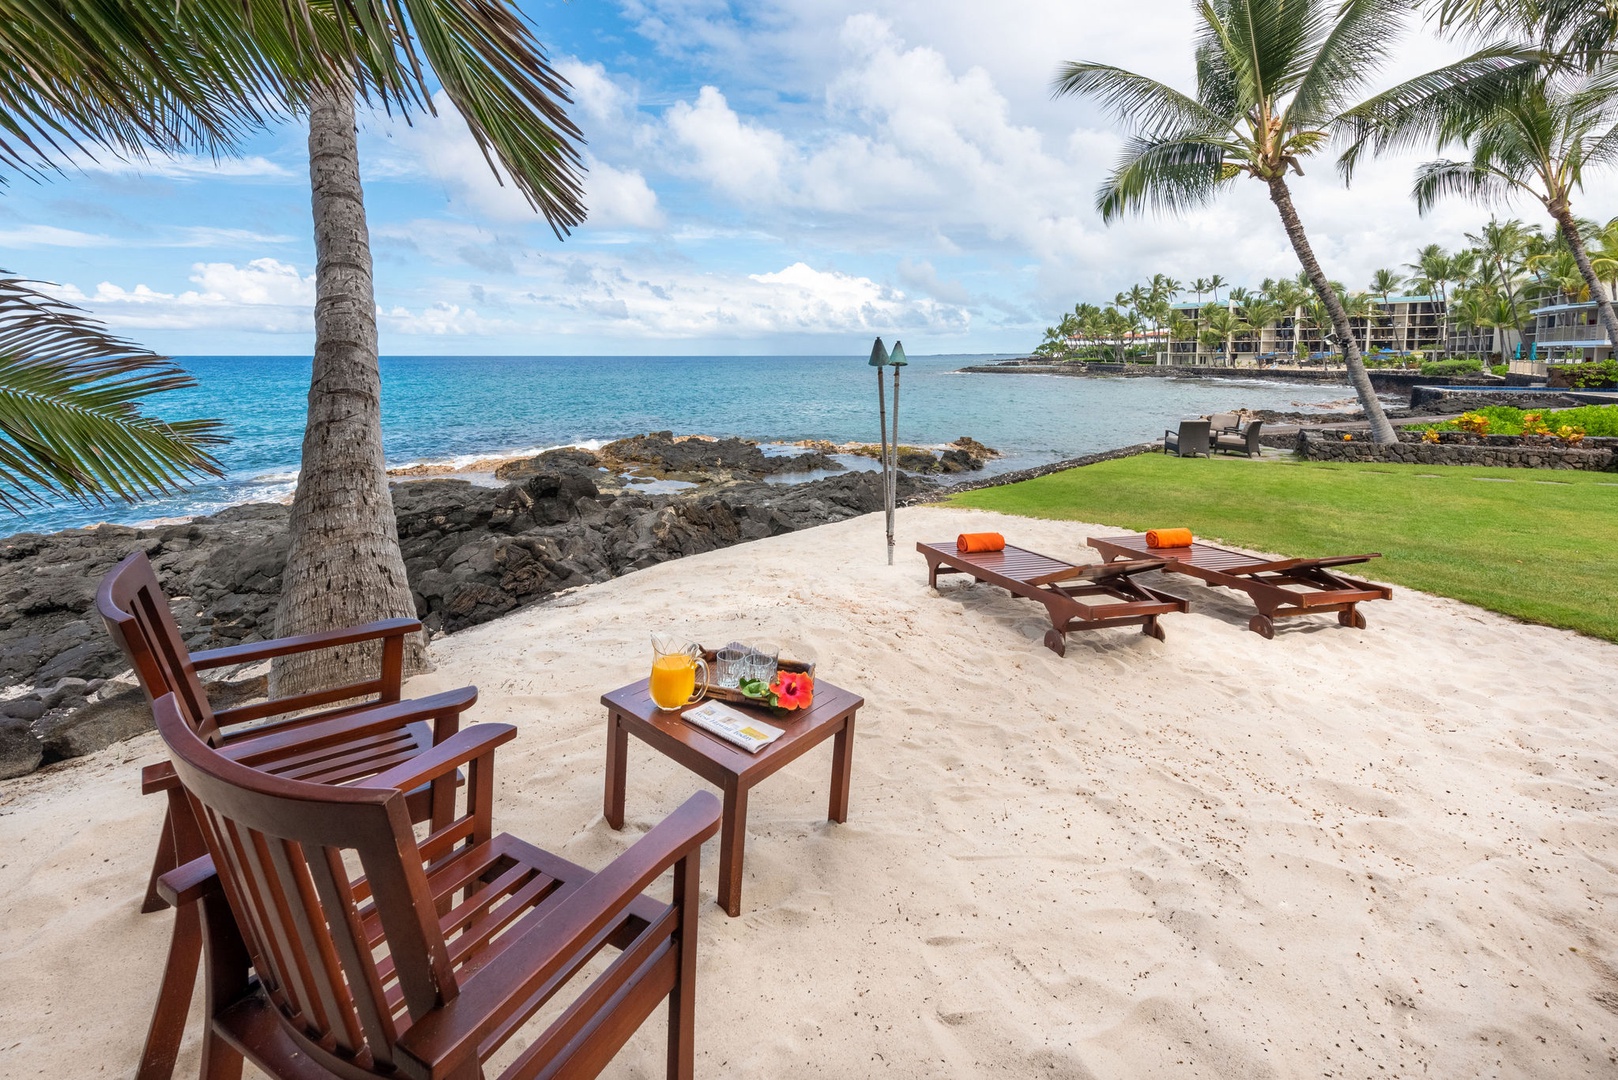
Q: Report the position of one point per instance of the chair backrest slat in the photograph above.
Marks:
(279, 846)
(137, 614)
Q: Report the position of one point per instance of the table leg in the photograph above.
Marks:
(732, 835)
(612, 804)
(842, 768)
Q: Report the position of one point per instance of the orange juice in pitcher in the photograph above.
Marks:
(673, 682)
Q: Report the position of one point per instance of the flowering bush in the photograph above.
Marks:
(1476, 423)
(1571, 434)
(1430, 435)
(1534, 424)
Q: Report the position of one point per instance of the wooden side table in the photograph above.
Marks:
(631, 711)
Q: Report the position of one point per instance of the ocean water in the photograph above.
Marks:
(446, 409)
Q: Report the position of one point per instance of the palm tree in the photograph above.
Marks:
(1359, 305)
(1385, 282)
(1274, 82)
(1216, 283)
(70, 419)
(1259, 313)
(1533, 129)
(83, 74)
(1220, 327)
(1501, 245)
(1200, 286)
(344, 565)
(1291, 297)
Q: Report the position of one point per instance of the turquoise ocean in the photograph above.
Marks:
(455, 409)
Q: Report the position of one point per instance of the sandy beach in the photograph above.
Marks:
(1389, 852)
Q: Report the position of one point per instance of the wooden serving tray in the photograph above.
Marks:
(735, 696)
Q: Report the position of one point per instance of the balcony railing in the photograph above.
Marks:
(1546, 335)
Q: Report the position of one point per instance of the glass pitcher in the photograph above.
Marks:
(675, 667)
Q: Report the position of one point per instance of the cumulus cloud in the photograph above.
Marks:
(263, 296)
(741, 159)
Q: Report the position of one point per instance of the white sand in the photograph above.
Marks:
(1338, 853)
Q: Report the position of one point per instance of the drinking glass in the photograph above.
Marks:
(675, 665)
(761, 660)
(730, 665)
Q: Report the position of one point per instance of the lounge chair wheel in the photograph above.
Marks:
(1056, 642)
(1352, 617)
(1262, 625)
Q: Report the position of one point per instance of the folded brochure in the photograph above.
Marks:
(734, 727)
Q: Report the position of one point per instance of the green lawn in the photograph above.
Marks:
(1536, 544)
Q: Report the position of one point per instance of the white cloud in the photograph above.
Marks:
(192, 167)
(189, 236)
(264, 296)
(740, 159)
(30, 236)
(620, 197)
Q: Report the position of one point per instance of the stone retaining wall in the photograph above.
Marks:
(1447, 399)
(1330, 446)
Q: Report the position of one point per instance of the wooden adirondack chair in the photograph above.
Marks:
(337, 746)
(314, 973)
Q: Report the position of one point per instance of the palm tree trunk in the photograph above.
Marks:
(1570, 232)
(344, 566)
(1381, 430)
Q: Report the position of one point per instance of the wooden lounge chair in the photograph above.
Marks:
(1076, 597)
(336, 746)
(1281, 589)
(1243, 441)
(445, 948)
(1189, 441)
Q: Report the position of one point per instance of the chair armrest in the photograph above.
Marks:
(266, 650)
(189, 883)
(447, 1038)
(157, 777)
(368, 721)
(443, 759)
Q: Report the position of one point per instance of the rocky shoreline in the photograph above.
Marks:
(565, 518)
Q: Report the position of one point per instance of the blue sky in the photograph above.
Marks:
(791, 176)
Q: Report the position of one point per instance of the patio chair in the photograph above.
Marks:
(1076, 597)
(1225, 423)
(335, 746)
(1244, 442)
(338, 945)
(1190, 440)
(1280, 589)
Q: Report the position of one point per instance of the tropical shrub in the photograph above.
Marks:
(1500, 369)
(1592, 420)
(1588, 376)
(1451, 367)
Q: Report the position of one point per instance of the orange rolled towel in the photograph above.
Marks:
(968, 543)
(1162, 538)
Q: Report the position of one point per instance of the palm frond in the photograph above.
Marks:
(1436, 179)
(84, 75)
(1447, 102)
(1350, 51)
(1166, 176)
(1145, 105)
(70, 410)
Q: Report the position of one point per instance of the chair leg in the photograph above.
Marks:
(162, 863)
(220, 1060)
(167, 1028)
(683, 998)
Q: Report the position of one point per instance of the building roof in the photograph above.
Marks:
(1549, 309)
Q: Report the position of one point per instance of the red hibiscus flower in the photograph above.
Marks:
(792, 689)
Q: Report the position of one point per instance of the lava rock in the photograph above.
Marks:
(20, 751)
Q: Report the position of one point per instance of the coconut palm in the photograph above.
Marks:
(1386, 282)
(1220, 325)
(1532, 130)
(84, 74)
(1274, 81)
(1501, 246)
(1200, 286)
(1291, 297)
(70, 419)
(1259, 312)
(1216, 283)
(1360, 305)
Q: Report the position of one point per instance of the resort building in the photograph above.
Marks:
(1402, 324)
(1566, 331)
